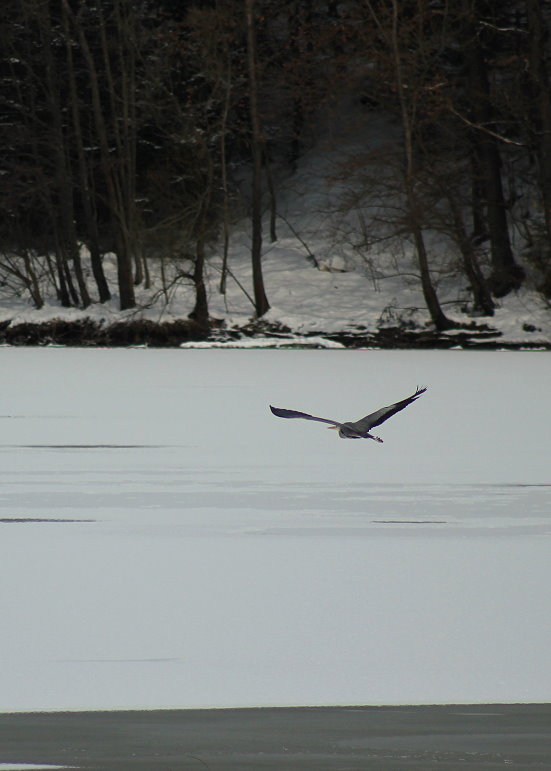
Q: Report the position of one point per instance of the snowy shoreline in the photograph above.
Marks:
(185, 333)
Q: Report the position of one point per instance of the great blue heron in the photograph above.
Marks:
(361, 428)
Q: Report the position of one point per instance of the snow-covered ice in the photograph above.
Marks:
(167, 542)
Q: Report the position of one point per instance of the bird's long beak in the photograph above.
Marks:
(332, 427)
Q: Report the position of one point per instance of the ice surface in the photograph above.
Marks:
(167, 542)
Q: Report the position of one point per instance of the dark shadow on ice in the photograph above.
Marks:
(409, 521)
(89, 446)
(34, 520)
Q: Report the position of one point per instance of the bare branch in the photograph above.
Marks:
(486, 130)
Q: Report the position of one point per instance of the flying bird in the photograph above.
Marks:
(361, 428)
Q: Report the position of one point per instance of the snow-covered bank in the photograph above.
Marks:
(346, 308)
(166, 542)
(137, 329)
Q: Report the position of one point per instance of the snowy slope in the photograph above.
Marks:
(318, 279)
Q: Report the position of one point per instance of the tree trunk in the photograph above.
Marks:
(84, 184)
(118, 215)
(32, 280)
(506, 273)
(224, 180)
(63, 212)
(479, 229)
(62, 290)
(540, 114)
(200, 312)
(271, 191)
(438, 317)
(261, 301)
(482, 299)
(124, 268)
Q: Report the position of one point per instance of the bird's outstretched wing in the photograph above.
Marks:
(280, 412)
(376, 418)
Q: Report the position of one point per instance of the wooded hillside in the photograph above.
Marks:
(124, 124)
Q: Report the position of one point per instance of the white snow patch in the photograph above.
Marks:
(29, 767)
(312, 341)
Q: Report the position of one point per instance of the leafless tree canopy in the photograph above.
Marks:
(122, 123)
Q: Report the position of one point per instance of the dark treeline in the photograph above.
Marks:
(122, 123)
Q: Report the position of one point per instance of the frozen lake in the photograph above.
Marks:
(167, 542)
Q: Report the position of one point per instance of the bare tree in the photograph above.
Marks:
(119, 176)
(67, 243)
(408, 94)
(18, 268)
(261, 301)
(85, 174)
(38, 197)
(476, 33)
(539, 111)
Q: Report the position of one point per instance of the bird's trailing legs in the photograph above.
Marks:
(367, 436)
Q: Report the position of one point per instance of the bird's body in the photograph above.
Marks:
(361, 428)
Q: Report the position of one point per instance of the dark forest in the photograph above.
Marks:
(123, 123)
